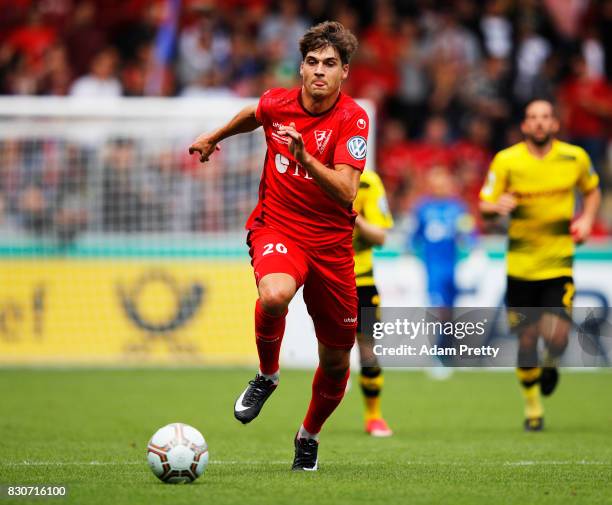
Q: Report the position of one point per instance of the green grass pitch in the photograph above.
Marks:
(458, 441)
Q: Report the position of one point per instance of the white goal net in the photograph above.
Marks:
(116, 245)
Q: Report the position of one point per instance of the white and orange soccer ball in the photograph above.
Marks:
(177, 453)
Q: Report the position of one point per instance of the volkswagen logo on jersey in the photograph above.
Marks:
(358, 147)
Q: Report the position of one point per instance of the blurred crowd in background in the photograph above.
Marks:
(449, 79)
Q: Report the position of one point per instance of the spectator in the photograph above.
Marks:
(594, 53)
(132, 23)
(450, 42)
(414, 83)
(203, 47)
(586, 110)
(496, 29)
(140, 71)
(485, 93)
(433, 148)
(471, 158)
(532, 52)
(566, 16)
(32, 40)
(443, 100)
(245, 63)
(281, 32)
(11, 179)
(70, 208)
(209, 85)
(393, 164)
(380, 43)
(34, 210)
(84, 36)
(603, 21)
(57, 74)
(101, 80)
(318, 11)
(410, 161)
(420, 63)
(172, 199)
(122, 194)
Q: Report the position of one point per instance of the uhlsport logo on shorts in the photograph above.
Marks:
(358, 147)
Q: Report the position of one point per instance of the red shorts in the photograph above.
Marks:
(328, 277)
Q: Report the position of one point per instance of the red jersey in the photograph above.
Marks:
(290, 200)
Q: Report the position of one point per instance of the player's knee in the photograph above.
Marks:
(336, 371)
(367, 358)
(275, 298)
(555, 334)
(336, 364)
(557, 344)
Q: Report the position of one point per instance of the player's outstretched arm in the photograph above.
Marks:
(581, 228)
(341, 183)
(375, 235)
(243, 122)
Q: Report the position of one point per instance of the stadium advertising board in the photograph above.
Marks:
(125, 312)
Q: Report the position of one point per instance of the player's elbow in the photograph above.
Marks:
(347, 196)
(594, 195)
(377, 236)
(381, 238)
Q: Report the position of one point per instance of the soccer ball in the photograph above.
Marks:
(177, 453)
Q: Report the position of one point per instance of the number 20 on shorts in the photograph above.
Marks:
(269, 248)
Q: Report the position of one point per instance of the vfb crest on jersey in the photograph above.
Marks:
(322, 137)
(358, 147)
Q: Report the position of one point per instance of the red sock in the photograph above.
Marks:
(269, 330)
(327, 394)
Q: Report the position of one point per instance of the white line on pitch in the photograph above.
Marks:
(120, 463)
(530, 463)
(287, 462)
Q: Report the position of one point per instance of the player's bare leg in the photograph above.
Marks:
(371, 382)
(328, 387)
(275, 292)
(555, 332)
(529, 373)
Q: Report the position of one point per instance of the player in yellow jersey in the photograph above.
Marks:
(534, 182)
(373, 220)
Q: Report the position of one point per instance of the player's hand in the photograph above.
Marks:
(296, 142)
(581, 229)
(506, 204)
(205, 146)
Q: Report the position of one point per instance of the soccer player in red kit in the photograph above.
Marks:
(300, 233)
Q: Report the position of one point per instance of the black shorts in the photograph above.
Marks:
(368, 297)
(533, 298)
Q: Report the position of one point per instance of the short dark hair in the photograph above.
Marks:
(549, 101)
(329, 33)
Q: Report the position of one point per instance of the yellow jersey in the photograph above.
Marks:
(540, 245)
(371, 203)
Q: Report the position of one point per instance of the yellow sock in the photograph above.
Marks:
(371, 381)
(530, 387)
